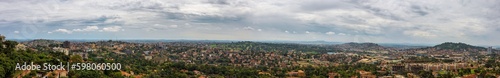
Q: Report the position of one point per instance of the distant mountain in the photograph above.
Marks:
(41, 42)
(402, 46)
(458, 46)
(303, 42)
(360, 46)
(455, 47)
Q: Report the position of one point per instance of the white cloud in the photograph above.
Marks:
(86, 29)
(330, 33)
(173, 26)
(342, 34)
(248, 28)
(64, 31)
(156, 27)
(389, 19)
(17, 32)
(89, 28)
(421, 34)
(112, 29)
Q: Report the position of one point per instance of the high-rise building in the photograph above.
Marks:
(489, 50)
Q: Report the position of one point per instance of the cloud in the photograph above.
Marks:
(342, 34)
(112, 29)
(248, 28)
(330, 33)
(385, 21)
(67, 31)
(16, 32)
(156, 27)
(89, 28)
(64, 31)
(421, 34)
(173, 26)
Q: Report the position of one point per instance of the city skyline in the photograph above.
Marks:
(393, 21)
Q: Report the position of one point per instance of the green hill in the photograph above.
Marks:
(458, 46)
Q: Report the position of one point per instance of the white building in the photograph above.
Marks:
(489, 50)
(60, 49)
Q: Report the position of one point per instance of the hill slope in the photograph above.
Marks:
(360, 46)
(458, 46)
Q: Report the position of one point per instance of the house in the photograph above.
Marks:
(147, 52)
(299, 73)
(366, 74)
(148, 57)
(60, 49)
(20, 47)
(81, 54)
(333, 75)
(127, 51)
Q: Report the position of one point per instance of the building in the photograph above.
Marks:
(148, 57)
(416, 68)
(398, 68)
(365, 74)
(82, 54)
(62, 50)
(2, 38)
(489, 50)
(411, 75)
(20, 47)
(127, 51)
(147, 52)
(333, 75)
(299, 73)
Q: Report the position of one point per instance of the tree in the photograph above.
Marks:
(76, 59)
(6, 66)
(8, 46)
(2, 38)
(116, 75)
(6, 63)
(426, 74)
(86, 74)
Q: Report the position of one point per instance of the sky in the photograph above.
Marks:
(380, 21)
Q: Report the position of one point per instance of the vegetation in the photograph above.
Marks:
(9, 56)
(458, 46)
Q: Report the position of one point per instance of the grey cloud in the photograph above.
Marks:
(320, 5)
(376, 21)
(419, 10)
(99, 21)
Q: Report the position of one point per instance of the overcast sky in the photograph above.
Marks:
(381, 21)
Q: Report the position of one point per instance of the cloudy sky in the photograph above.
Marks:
(382, 21)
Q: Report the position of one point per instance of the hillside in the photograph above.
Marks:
(360, 46)
(458, 46)
(41, 42)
